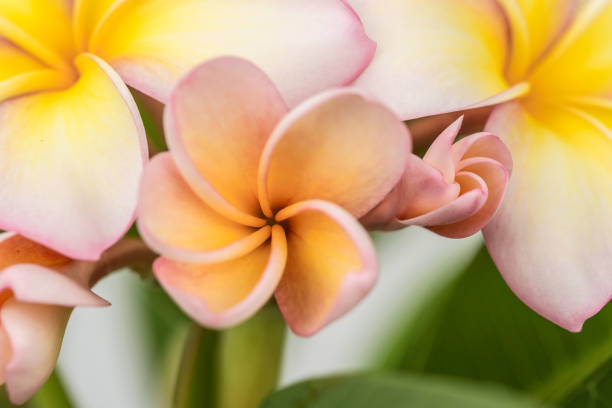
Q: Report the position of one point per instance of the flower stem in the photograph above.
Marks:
(235, 368)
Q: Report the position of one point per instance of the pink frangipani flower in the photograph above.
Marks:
(38, 290)
(72, 143)
(454, 190)
(253, 200)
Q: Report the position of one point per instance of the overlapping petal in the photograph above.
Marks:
(218, 119)
(41, 27)
(436, 56)
(74, 169)
(338, 146)
(551, 239)
(581, 63)
(176, 222)
(305, 47)
(35, 303)
(220, 295)
(331, 265)
(454, 190)
(534, 26)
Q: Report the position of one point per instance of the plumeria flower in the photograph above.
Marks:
(72, 144)
(547, 66)
(38, 290)
(454, 190)
(253, 201)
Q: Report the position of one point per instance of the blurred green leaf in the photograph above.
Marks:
(393, 391)
(476, 328)
(51, 395)
(235, 368)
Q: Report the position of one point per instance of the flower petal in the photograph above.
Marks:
(88, 16)
(534, 26)
(178, 224)
(495, 178)
(581, 64)
(338, 146)
(438, 155)
(35, 333)
(473, 196)
(434, 56)
(305, 47)
(72, 169)
(551, 238)
(217, 121)
(331, 265)
(224, 294)
(21, 73)
(41, 27)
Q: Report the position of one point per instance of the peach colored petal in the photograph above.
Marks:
(175, 222)
(220, 295)
(338, 146)
(305, 47)
(331, 265)
(73, 169)
(217, 121)
(551, 238)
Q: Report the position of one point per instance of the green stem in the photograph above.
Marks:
(235, 368)
(51, 395)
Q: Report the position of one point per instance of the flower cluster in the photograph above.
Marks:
(280, 158)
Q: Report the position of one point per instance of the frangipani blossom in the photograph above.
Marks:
(454, 190)
(548, 65)
(38, 289)
(253, 201)
(72, 145)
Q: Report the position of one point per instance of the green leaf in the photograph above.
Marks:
(51, 395)
(476, 328)
(235, 368)
(393, 391)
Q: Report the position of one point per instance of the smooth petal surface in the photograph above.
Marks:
(41, 27)
(88, 16)
(551, 238)
(581, 64)
(75, 169)
(218, 119)
(35, 333)
(337, 146)
(305, 47)
(175, 222)
(434, 56)
(221, 295)
(22, 73)
(331, 265)
(534, 26)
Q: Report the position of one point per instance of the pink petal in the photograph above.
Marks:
(438, 155)
(551, 237)
(35, 333)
